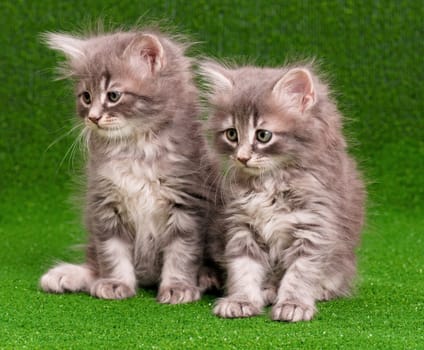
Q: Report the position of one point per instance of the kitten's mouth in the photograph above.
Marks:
(250, 170)
(246, 168)
(104, 123)
(112, 132)
(106, 128)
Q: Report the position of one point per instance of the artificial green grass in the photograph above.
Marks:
(373, 52)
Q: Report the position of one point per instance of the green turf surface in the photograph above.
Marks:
(374, 53)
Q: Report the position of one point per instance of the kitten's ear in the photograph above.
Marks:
(296, 87)
(217, 76)
(72, 47)
(148, 49)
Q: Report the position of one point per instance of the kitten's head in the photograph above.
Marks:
(125, 81)
(264, 119)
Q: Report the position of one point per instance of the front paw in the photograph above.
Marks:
(230, 307)
(177, 294)
(111, 289)
(57, 281)
(66, 278)
(292, 312)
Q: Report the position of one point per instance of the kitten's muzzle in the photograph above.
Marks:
(243, 159)
(94, 119)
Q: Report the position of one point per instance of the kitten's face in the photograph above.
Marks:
(258, 119)
(116, 78)
(253, 142)
(103, 106)
(113, 106)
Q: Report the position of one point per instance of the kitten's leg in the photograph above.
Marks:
(246, 270)
(179, 272)
(67, 278)
(245, 297)
(117, 273)
(112, 243)
(299, 287)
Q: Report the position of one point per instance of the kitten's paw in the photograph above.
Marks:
(106, 288)
(66, 278)
(231, 308)
(292, 312)
(177, 294)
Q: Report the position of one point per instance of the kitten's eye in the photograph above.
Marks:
(86, 97)
(114, 96)
(231, 134)
(263, 136)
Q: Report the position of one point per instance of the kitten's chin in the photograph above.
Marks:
(252, 171)
(114, 133)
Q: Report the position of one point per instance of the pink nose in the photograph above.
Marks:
(95, 120)
(243, 159)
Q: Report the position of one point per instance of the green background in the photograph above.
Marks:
(373, 52)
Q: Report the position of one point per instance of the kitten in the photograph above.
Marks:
(148, 201)
(294, 199)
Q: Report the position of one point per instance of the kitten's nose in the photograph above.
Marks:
(94, 119)
(243, 159)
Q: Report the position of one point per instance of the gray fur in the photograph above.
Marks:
(150, 187)
(294, 205)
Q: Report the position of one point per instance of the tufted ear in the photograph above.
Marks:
(147, 49)
(217, 76)
(72, 47)
(296, 88)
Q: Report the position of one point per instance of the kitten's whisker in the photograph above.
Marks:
(224, 186)
(233, 181)
(76, 149)
(212, 180)
(61, 137)
(86, 136)
(80, 145)
(123, 138)
(83, 143)
(229, 176)
(219, 188)
(68, 153)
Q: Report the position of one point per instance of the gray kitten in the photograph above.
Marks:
(148, 198)
(294, 199)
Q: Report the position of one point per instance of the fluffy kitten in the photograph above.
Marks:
(147, 196)
(294, 199)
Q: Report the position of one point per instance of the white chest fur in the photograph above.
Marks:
(267, 212)
(140, 192)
